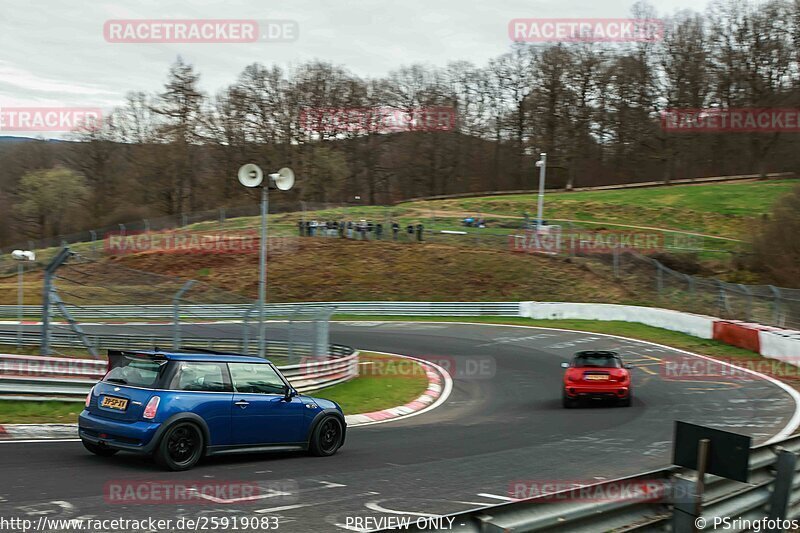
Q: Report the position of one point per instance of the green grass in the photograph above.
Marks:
(394, 382)
(386, 381)
(13, 412)
(721, 209)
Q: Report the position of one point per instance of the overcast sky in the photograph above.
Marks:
(53, 52)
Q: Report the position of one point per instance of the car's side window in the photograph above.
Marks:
(255, 378)
(199, 376)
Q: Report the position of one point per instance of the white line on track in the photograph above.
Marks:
(376, 506)
(496, 497)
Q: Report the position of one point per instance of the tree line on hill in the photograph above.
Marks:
(596, 110)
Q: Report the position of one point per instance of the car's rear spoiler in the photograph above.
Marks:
(136, 354)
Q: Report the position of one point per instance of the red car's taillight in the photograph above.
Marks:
(152, 408)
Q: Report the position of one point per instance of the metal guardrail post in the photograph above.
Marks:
(782, 488)
(683, 517)
(93, 235)
(76, 327)
(176, 314)
(749, 309)
(47, 291)
(723, 298)
(246, 329)
(776, 307)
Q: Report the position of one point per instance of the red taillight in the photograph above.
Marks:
(88, 398)
(152, 408)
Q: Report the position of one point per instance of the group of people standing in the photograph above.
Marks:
(364, 230)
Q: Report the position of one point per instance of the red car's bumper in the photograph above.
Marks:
(597, 391)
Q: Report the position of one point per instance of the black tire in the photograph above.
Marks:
(626, 402)
(102, 451)
(567, 402)
(181, 447)
(327, 437)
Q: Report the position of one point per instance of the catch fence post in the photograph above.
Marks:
(176, 314)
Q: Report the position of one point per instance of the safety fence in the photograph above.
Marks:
(40, 378)
(238, 311)
(661, 500)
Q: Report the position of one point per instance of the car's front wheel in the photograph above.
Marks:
(181, 447)
(327, 437)
(97, 449)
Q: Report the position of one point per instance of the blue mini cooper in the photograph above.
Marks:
(181, 406)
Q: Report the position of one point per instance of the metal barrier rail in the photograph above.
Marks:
(774, 486)
(73, 377)
(275, 348)
(239, 311)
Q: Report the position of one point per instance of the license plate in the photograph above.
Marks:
(597, 377)
(114, 403)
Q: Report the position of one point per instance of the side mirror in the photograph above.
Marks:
(627, 365)
(288, 393)
(564, 365)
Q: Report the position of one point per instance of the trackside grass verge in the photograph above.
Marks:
(384, 381)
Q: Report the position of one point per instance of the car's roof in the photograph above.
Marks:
(198, 356)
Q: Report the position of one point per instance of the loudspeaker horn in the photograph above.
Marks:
(250, 175)
(284, 179)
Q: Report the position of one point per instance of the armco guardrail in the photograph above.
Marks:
(275, 348)
(238, 311)
(22, 375)
(648, 502)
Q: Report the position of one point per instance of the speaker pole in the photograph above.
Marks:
(262, 272)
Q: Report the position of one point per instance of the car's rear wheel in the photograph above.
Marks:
(181, 447)
(568, 402)
(97, 449)
(626, 402)
(327, 437)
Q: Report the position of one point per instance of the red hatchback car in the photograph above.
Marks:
(597, 375)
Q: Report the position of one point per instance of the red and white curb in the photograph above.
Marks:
(440, 385)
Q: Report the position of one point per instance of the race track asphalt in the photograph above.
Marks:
(502, 424)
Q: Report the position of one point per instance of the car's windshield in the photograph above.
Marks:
(603, 361)
(136, 371)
